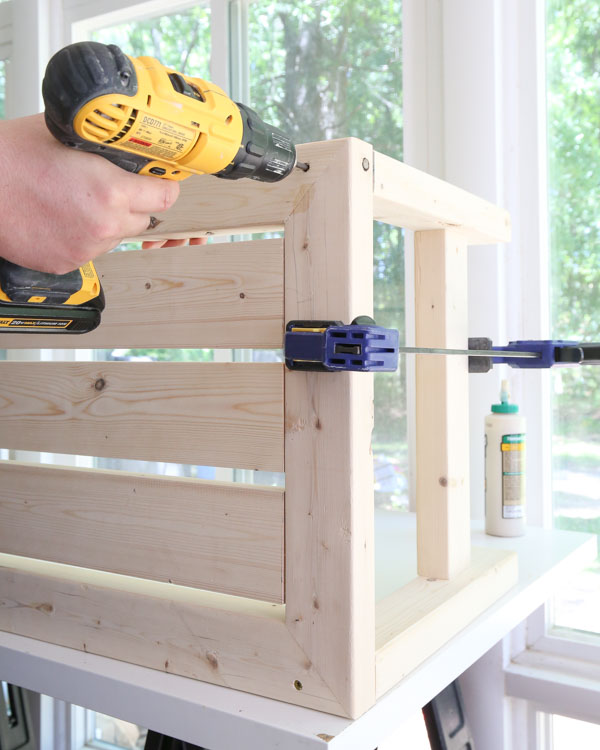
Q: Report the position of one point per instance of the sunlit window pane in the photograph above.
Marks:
(571, 733)
(573, 28)
(179, 40)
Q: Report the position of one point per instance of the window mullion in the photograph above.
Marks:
(239, 84)
(528, 280)
(35, 32)
(220, 72)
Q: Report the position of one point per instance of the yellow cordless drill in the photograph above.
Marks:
(147, 119)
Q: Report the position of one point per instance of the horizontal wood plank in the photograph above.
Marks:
(208, 205)
(212, 414)
(406, 197)
(419, 618)
(223, 295)
(219, 536)
(225, 640)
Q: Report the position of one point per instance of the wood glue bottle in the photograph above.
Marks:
(505, 468)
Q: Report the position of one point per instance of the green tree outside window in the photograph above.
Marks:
(573, 57)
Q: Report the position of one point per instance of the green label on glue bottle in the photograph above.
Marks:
(513, 475)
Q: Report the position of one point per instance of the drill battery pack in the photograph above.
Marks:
(37, 302)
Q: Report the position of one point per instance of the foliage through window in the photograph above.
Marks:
(180, 41)
(573, 29)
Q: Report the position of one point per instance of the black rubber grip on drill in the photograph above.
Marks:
(74, 76)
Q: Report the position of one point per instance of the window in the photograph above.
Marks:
(574, 207)
(179, 40)
(568, 733)
(108, 732)
(328, 70)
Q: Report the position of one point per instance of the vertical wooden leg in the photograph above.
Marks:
(329, 579)
(443, 532)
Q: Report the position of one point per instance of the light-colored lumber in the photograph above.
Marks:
(442, 405)
(214, 414)
(214, 535)
(209, 205)
(225, 640)
(329, 647)
(329, 419)
(406, 197)
(418, 619)
(215, 296)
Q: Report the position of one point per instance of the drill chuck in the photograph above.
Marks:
(266, 153)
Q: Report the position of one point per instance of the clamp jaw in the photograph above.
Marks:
(331, 346)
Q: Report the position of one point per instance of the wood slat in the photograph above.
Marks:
(406, 197)
(418, 619)
(208, 205)
(225, 640)
(221, 295)
(220, 536)
(215, 414)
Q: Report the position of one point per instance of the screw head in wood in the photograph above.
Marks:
(365, 164)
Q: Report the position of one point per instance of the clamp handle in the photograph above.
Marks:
(551, 353)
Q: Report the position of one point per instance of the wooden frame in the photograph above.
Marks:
(307, 630)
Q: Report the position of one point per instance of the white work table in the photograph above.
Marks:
(224, 719)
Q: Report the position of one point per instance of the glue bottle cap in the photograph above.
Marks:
(504, 407)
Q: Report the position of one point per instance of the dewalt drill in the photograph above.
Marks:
(147, 119)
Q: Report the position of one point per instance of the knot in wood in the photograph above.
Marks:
(100, 384)
(212, 660)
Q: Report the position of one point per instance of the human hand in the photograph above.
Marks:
(60, 208)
